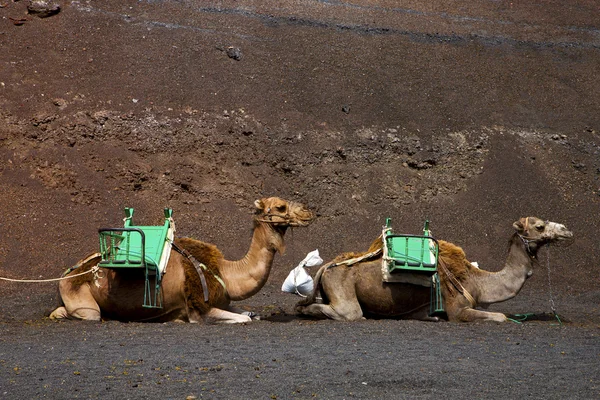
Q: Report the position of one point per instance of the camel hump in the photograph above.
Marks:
(454, 258)
(450, 250)
(377, 244)
(206, 253)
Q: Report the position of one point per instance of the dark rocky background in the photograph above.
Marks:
(469, 114)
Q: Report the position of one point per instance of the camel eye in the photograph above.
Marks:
(540, 227)
(280, 208)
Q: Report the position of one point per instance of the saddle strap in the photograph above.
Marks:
(458, 285)
(351, 261)
(200, 268)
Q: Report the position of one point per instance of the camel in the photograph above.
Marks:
(350, 291)
(117, 294)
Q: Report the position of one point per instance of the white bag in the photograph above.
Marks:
(298, 280)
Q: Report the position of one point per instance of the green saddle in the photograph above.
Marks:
(134, 246)
(410, 253)
(143, 247)
(417, 256)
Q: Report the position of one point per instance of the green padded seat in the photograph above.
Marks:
(412, 253)
(144, 247)
(122, 248)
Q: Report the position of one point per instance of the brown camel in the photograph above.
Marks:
(349, 291)
(117, 294)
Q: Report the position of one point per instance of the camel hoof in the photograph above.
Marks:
(253, 316)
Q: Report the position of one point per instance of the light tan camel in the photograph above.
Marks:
(118, 294)
(348, 292)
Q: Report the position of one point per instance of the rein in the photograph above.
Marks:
(552, 305)
(526, 240)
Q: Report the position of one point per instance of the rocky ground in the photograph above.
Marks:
(469, 115)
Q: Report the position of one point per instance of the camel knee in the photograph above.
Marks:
(327, 311)
(470, 315)
(85, 314)
(81, 313)
(218, 316)
(59, 313)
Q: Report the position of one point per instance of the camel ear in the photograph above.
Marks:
(519, 225)
(259, 204)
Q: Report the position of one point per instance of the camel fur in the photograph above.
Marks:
(117, 293)
(351, 291)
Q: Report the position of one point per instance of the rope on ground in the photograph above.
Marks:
(93, 270)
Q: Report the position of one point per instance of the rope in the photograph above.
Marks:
(552, 305)
(520, 318)
(94, 270)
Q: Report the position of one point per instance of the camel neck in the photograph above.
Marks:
(507, 283)
(245, 277)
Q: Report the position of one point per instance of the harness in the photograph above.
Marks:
(457, 285)
(200, 268)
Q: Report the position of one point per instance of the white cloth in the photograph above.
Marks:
(299, 281)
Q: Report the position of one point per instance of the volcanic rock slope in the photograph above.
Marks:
(468, 115)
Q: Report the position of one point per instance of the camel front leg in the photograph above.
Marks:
(218, 316)
(59, 313)
(343, 303)
(470, 315)
(79, 303)
(327, 311)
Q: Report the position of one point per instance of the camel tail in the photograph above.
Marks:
(312, 298)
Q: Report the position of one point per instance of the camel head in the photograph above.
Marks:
(278, 215)
(536, 231)
(281, 213)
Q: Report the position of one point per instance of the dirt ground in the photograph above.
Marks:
(469, 114)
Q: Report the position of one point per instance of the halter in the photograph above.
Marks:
(268, 218)
(526, 241)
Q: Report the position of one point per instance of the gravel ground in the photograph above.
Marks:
(471, 115)
(299, 359)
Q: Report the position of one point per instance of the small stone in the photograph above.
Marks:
(234, 52)
(42, 8)
(60, 103)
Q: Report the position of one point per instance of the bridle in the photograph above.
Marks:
(527, 240)
(267, 217)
